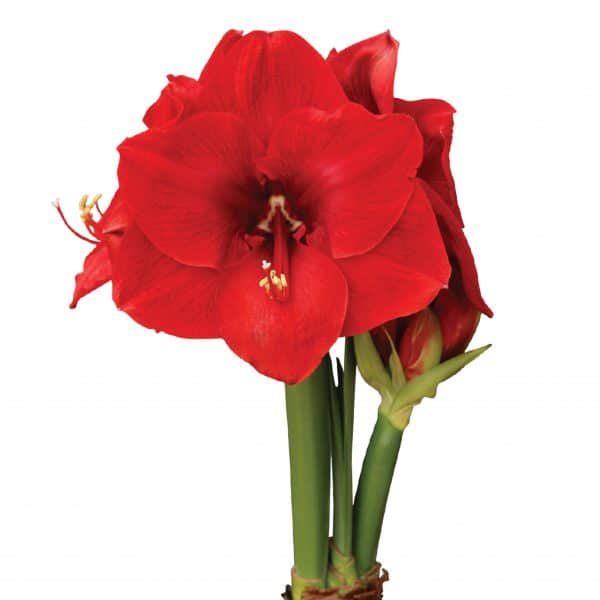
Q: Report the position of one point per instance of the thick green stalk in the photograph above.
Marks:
(307, 405)
(343, 420)
(349, 392)
(373, 489)
(342, 569)
(342, 518)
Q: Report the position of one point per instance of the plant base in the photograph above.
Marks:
(368, 587)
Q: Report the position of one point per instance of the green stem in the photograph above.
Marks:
(307, 405)
(349, 392)
(373, 489)
(342, 523)
(342, 566)
(342, 455)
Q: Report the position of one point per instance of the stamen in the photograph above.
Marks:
(88, 227)
(277, 204)
(264, 283)
(56, 205)
(280, 224)
(85, 207)
(100, 211)
(279, 281)
(278, 274)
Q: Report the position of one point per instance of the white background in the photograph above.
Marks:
(137, 466)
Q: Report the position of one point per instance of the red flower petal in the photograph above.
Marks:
(285, 340)
(366, 71)
(116, 218)
(97, 267)
(458, 319)
(179, 99)
(434, 118)
(162, 294)
(97, 271)
(394, 329)
(401, 275)
(349, 174)
(263, 76)
(458, 250)
(213, 65)
(191, 188)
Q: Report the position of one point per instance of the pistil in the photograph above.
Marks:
(279, 223)
(280, 271)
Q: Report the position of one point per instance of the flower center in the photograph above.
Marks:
(280, 224)
(86, 207)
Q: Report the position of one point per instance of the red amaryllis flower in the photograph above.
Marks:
(264, 208)
(366, 71)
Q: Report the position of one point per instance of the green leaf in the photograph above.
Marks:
(398, 411)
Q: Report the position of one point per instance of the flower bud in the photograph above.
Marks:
(458, 320)
(421, 344)
(369, 363)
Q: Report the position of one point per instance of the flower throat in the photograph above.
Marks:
(280, 224)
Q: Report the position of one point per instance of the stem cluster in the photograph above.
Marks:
(320, 416)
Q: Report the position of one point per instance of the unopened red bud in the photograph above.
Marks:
(421, 344)
(458, 321)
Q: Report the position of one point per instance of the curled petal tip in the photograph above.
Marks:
(391, 38)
